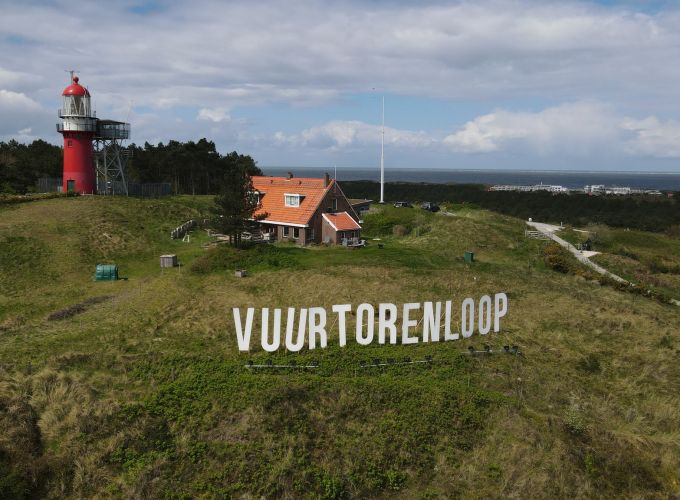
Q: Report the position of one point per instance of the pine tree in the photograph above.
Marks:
(235, 205)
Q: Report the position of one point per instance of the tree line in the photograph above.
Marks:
(648, 213)
(190, 167)
(21, 165)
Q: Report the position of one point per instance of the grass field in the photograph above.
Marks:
(146, 394)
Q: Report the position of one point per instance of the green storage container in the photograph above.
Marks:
(469, 257)
(106, 272)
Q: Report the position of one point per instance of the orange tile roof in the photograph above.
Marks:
(273, 189)
(342, 221)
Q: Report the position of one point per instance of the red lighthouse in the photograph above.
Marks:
(78, 127)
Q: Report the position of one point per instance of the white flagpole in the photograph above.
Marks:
(382, 155)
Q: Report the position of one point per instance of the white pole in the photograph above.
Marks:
(382, 156)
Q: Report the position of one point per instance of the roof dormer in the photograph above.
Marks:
(292, 200)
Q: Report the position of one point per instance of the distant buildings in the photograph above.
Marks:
(593, 190)
(537, 187)
(597, 189)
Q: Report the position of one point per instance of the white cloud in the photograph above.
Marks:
(214, 115)
(577, 128)
(9, 79)
(652, 137)
(17, 101)
(337, 135)
(21, 116)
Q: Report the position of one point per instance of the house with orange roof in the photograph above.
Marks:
(305, 210)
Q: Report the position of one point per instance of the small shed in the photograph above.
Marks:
(360, 205)
(469, 257)
(169, 260)
(106, 272)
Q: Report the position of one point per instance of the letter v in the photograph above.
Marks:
(243, 338)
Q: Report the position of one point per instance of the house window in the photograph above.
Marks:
(335, 204)
(292, 200)
(285, 231)
(255, 196)
(296, 232)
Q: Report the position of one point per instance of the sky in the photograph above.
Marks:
(517, 84)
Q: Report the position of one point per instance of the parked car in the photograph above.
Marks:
(428, 205)
(402, 204)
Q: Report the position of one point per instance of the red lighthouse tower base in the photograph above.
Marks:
(78, 163)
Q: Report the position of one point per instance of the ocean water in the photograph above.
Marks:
(570, 179)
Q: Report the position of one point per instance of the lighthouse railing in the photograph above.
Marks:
(70, 126)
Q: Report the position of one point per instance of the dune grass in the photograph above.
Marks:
(650, 260)
(146, 394)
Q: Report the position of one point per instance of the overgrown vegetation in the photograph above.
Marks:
(146, 394)
(250, 257)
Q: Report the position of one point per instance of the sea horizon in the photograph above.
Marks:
(573, 179)
(446, 169)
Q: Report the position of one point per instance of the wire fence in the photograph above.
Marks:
(142, 190)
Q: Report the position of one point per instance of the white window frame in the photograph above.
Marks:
(288, 200)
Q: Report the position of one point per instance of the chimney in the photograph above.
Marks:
(326, 179)
(290, 175)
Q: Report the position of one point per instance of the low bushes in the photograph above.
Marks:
(259, 257)
(556, 258)
(396, 221)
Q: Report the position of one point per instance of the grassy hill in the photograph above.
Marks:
(146, 394)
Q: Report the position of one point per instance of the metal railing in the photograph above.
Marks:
(89, 126)
(113, 130)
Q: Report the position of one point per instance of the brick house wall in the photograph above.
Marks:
(290, 236)
(328, 234)
(321, 228)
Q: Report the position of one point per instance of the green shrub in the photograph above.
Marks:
(255, 257)
(399, 230)
(625, 252)
(658, 266)
(574, 420)
(590, 364)
(556, 258)
(384, 221)
(12, 484)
